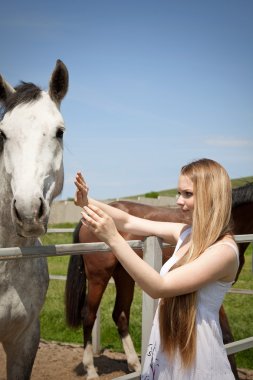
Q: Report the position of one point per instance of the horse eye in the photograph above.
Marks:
(59, 133)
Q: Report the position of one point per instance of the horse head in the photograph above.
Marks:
(31, 150)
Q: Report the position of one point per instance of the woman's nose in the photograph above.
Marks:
(180, 200)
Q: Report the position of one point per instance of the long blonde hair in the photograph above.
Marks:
(211, 221)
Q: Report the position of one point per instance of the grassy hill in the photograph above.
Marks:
(172, 192)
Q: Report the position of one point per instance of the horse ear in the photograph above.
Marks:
(5, 90)
(58, 85)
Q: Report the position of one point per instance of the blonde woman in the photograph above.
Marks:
(186, 340)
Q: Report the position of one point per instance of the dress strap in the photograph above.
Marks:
(173, 259)
(182, 237)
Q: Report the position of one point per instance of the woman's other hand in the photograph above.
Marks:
(100, 223)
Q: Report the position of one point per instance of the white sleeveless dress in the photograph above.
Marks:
(211, 358)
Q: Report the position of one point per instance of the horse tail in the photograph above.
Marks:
(76, 232)
(75, 289)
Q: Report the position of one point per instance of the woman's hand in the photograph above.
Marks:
(100, 223)
(81, 195)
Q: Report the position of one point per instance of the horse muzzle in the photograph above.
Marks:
(30, 219)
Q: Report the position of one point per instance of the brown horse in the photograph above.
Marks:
(98, 268)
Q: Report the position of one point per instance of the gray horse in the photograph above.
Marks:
(31, 176)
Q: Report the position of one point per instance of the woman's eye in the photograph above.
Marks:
(185, 194)
(188, 194)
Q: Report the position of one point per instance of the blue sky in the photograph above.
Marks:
(153, 84)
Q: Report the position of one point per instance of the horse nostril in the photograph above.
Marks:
(41, 209)
(15, 210)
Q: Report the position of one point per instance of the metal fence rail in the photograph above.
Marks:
(13, 253)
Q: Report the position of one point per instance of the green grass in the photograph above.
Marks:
(241, 181)
(53, 326)
(239, 308)
(58, 265)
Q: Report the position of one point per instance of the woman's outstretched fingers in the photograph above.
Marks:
(81, 195)
(80, 180)
(97, 210)
(91, 212)
(89, 221)
(100, 212)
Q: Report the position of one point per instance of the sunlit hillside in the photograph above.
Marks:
(172, 192)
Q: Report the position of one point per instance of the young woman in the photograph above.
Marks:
(186, 340)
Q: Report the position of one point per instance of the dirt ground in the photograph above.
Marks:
(64, 362)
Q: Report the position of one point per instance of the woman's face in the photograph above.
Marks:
(185, 194)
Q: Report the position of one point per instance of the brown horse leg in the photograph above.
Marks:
(98, 268)
(121, 314)
(93, 298)
(228, 338)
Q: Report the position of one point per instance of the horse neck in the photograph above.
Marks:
(243, 221)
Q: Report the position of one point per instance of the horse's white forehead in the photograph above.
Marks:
(41, 114)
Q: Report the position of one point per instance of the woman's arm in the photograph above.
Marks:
(169, 232)
(217, 263)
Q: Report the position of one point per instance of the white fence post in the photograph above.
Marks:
(152, 254)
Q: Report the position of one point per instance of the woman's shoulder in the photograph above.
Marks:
(228, 241)
(225, 253)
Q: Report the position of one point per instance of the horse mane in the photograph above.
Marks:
(242, 194)
(25, 93)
